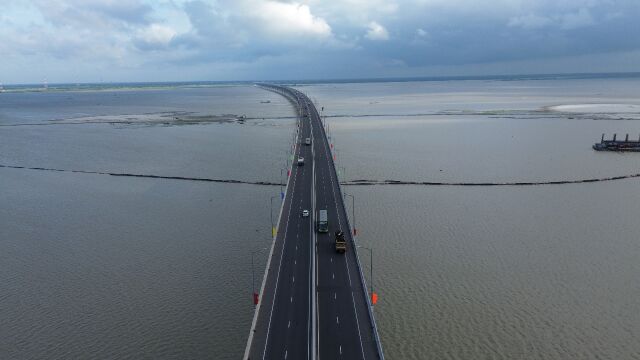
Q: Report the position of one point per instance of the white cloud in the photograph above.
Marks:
(421, 38)
(157, 35)
(377, 32)
(422, 33)
(291, 19)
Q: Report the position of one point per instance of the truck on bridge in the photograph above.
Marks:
(323, 221)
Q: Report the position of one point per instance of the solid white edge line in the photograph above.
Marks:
(333, 187)
(355, 311)
(275, 293)
(266, 272)
(330, 162)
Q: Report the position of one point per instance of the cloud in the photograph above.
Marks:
(566, 21)
(209, 27)
(321, 38)
(155, 36)
(126, 11)
(248, 30)
(291, 19)
(377, 32)
(90, 14)
(530, 21)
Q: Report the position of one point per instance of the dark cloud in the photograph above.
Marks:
(268, 38)
(476, 38)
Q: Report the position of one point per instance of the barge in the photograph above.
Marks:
(617, 145)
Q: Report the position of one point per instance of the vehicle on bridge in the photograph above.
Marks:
(341, 242)
(323, 221)
(300, 161)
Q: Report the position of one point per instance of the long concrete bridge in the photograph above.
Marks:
(313, 302)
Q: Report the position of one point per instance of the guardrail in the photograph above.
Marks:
(290, 95)
(256, 312)
(355, 250)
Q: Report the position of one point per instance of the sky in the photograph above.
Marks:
(225, 40)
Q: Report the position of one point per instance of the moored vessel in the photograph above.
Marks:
(617, 145)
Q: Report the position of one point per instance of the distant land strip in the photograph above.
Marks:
(360, 182)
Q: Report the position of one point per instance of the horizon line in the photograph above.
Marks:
(533, 76)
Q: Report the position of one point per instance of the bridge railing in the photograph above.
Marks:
(289, 93)
(256, 313)
(363, 282)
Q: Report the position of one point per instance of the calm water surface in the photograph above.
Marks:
(103, 267)
(106, 267)
(539, 272)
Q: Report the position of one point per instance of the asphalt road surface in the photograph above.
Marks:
(304, 280)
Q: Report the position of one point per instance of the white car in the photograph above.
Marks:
(300, 161)
(305, 213)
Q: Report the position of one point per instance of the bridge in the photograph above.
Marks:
(313, 302)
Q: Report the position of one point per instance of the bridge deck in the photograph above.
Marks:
(304, 283)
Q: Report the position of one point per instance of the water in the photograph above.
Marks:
(537, 272)
(104, 267)
(108, 267)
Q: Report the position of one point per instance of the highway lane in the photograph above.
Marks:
(300, 274)
(344, 327)
(284, 324)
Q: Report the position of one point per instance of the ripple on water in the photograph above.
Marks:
(474, 275)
